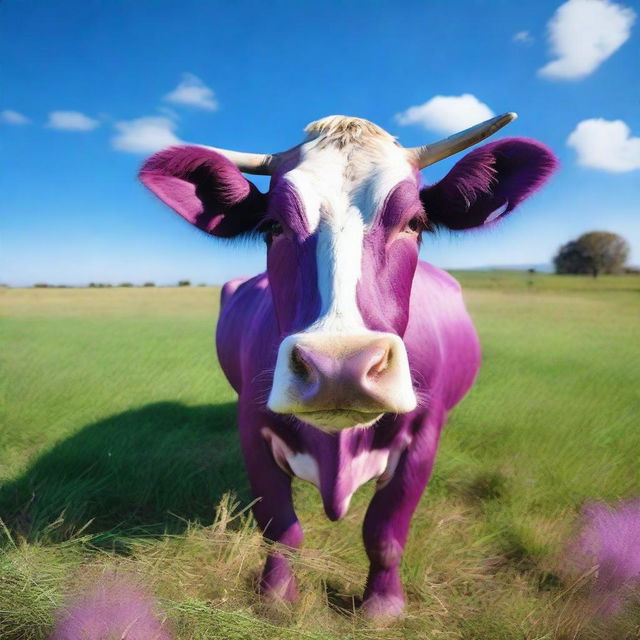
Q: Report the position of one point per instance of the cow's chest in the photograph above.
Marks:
(337, 476)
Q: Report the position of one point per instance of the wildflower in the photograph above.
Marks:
(609, 543)
(112, 609)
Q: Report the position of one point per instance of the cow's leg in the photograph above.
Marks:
(274, 514)
(386, 524)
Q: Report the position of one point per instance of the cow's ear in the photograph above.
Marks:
(488, 183)
(206, 189)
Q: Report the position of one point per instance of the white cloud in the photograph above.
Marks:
(168, 112)
(447, 114)
(605, 144)
(8, 116)
(145, 135)
(523, 37)
(71, 121)
(583, 34)
(193, 92)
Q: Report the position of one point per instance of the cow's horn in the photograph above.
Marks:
(261, 164)
(430, 153)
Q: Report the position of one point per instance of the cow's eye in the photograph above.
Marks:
(415, 224)
(273, 229)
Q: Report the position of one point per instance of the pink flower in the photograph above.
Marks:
(609, 541)
(113, 609)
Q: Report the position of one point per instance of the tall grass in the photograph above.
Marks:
(119, 453)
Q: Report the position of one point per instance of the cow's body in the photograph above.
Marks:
(348, 353)
(444, 356)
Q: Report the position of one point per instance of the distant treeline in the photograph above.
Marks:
(107, 285)
(623, 270)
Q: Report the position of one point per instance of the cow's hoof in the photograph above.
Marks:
(286, 592)
(377, 607)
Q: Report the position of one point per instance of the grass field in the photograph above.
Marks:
(118, 452)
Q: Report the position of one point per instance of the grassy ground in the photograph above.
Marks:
(118, 451)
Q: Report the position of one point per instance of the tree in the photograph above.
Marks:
(595, 252)
(571, 259)
(184, 283)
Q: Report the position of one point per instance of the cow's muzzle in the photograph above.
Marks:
(335, 381)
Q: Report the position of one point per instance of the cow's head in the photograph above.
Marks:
(342, 223)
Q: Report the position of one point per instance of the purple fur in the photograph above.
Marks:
(205, 189)
(397, 294)
(295, 291)
(285, 206)
(388, 267)
(498, 174)
(112, 608)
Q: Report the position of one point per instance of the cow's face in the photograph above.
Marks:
(342, 227)
(342, 223)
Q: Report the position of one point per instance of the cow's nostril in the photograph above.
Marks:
(380, 363)
(299, 366)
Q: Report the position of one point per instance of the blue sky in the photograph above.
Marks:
(77, 77)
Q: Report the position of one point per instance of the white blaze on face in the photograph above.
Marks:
(339, 256)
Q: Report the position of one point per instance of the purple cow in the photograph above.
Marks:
(348, 353)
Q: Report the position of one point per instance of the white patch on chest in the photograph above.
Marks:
(365, 466)
(302, 465)
(362, 468)
(305, 467)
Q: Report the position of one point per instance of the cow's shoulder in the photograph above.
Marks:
(246, 318)
(228, 289)
(246, 288)
(435, 278)
(441, 340)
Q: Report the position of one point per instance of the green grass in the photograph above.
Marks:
(118, 450)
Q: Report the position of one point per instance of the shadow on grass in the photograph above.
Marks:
(147, 470)
(342, 603)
